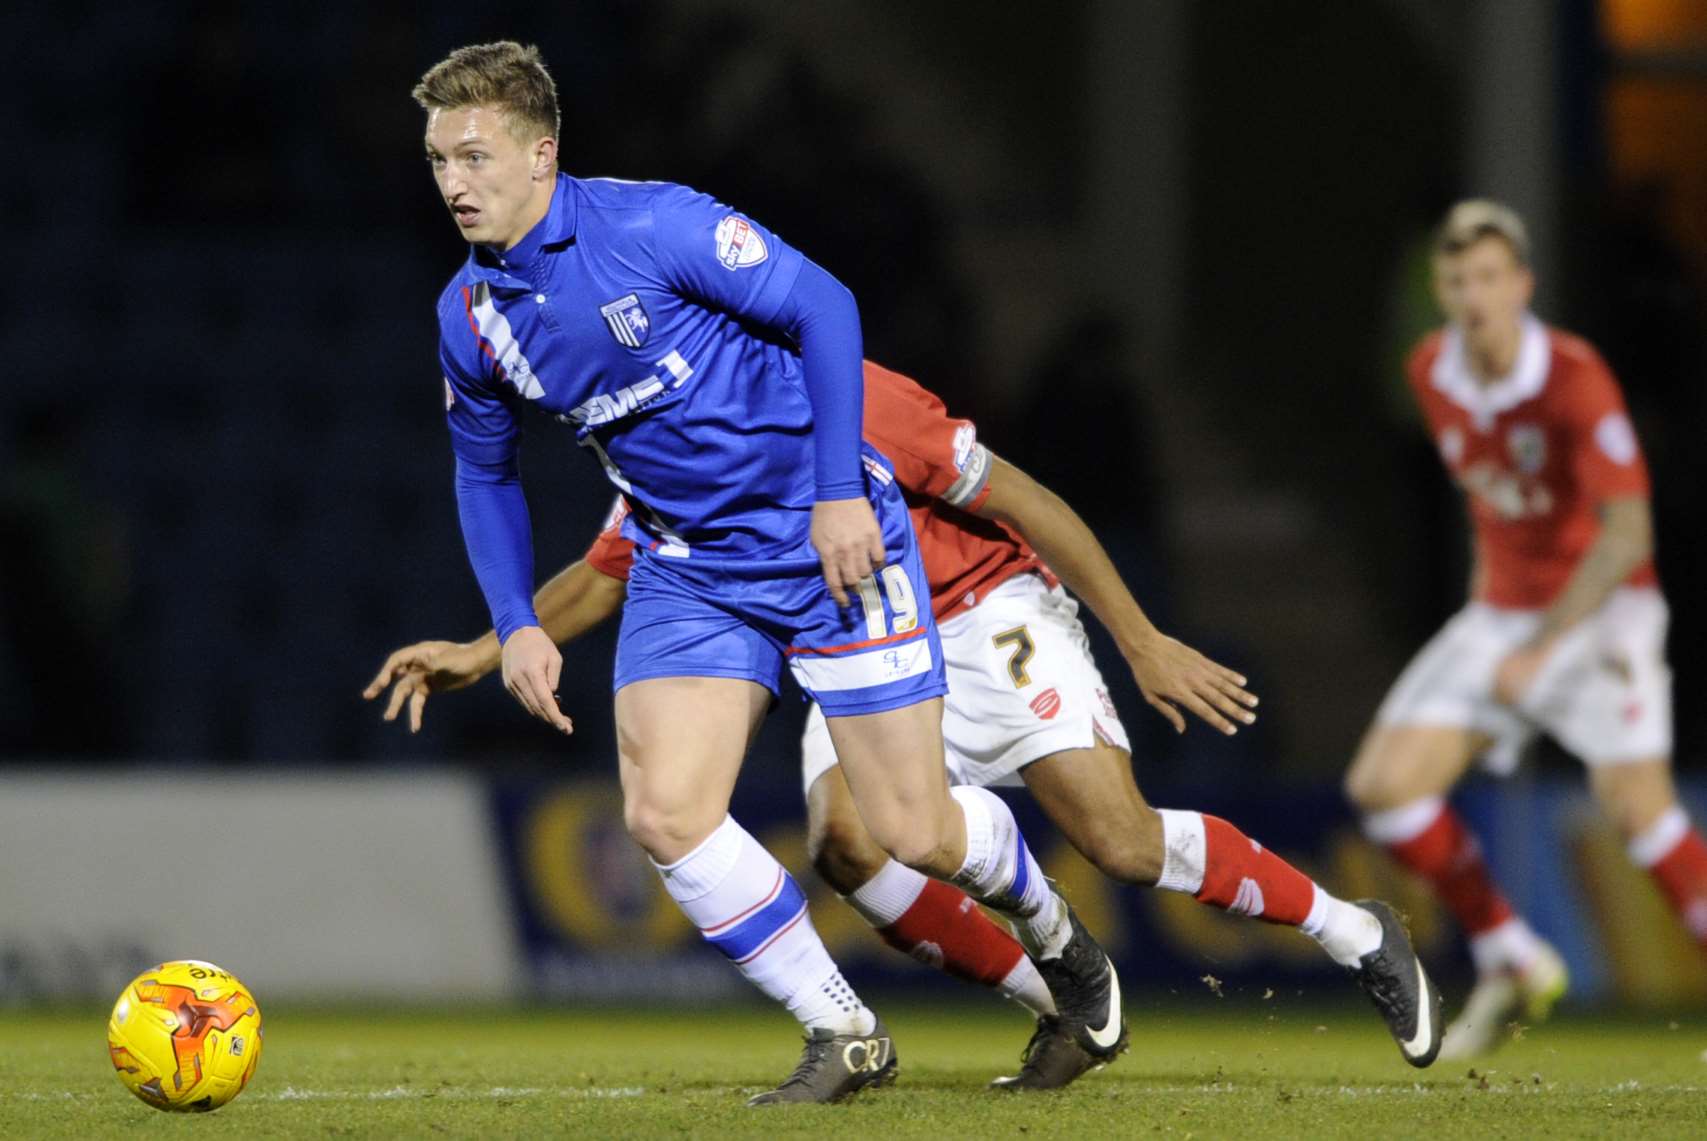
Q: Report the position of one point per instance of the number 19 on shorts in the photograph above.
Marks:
(902, 602)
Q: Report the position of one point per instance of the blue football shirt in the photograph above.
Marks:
(636, 313)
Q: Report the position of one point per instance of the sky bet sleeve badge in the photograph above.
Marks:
(739, 245)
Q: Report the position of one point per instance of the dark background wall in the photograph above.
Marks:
(1168, 255)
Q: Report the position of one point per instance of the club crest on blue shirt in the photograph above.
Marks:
(627, 320)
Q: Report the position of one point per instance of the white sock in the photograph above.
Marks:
(1026, 987)
(749, 908)
(1185, 851)
(832, 1005)
(1404, 823)
(1512, 946)
(1000, 871)
(886, 896)
(1660, 838)
(1345, 932)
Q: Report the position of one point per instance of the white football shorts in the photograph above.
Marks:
(1021, 687)
(1604, 692)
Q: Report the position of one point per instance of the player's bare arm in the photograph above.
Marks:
(1170, 674)
(417, 670)
(1625, 542)
(576, 599)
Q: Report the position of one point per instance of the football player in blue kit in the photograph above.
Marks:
(715, 374)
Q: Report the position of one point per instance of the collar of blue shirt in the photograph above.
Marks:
(511, 266)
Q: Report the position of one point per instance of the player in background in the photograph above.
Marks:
(1025, 702)
(1564, 632)
(714, 373)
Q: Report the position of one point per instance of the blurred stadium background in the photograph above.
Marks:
(1168, 254)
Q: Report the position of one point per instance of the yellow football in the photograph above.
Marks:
(185, 1036)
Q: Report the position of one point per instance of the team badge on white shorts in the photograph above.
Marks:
(739, 244)
(627, 320)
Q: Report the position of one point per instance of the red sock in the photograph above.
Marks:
(1241, 875)
(1449, 857)
(1682, 876)
(946, 929)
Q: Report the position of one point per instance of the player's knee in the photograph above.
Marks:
(1634, 797)
(841, 849)
(915, 833)
(1367, 787)
(922, 848)
(1352, 788)
(1127, 846)
(666, 834)
(844, 855)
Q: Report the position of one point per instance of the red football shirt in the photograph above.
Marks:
(1535, 452)
(944, 473)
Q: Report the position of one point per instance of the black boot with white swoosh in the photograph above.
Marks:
(1087, 993)
(1052, 1059)
(1393, 978)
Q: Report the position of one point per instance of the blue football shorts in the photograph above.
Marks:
(706, 619)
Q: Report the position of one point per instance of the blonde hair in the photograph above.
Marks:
(1476, 218)
(502, 76)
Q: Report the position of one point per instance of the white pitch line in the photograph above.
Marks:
(571, 1093)
(1525, 1088)
(445, 1093)
(453, 1093)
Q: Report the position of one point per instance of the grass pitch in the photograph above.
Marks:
(1236, 1067)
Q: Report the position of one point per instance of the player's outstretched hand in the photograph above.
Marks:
(1173, 676)
(532, 664)
(849, 544)
(425, 668)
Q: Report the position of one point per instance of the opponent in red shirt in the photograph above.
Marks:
(1564, 632)
(1026, 703)
(945, 476)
